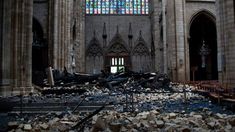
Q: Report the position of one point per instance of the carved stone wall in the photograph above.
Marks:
(141, 57)
(94, 57)
(118, 42)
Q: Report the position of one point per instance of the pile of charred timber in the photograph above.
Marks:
(214, 90)
(64, 82)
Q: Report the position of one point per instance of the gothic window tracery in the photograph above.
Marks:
(141, 47)
(94, 7)
(94, 49)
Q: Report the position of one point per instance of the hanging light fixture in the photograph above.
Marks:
(204, 51)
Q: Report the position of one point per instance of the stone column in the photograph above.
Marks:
(180, 39)
(21, 36)
(177, 39)
(61, 42)
(171, 39)
(16, 47)
(1, 31)
(165, 58)
(156, 15)
(79, 43)
(226, 39)
(6, 49)
(51, 8)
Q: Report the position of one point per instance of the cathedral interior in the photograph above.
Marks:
(55, 44)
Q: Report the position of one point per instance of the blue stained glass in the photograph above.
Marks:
(107, 6)
(95, 7)
(139, 6)
(112, 7)
(99, 7)
(91, 7)
(146, 6)
(127, 6)
(117, 7)
(131, 7)
(87, 6)
(103, 7)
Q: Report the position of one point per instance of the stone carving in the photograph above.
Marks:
(141, 47)
(94, 49)
(117, 44)
(118, 48)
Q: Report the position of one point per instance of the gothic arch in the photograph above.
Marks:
(39, 53)
(38, 33)
(117, 55)
(117, 46)
(94, 48)
(141, 55)
(140, 47)
(208, 13)
(94, 56)
(202, 37)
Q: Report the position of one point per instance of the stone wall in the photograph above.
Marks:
(95, 24)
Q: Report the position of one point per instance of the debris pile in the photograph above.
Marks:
(68, 83)
(112, 121)
(117, 103)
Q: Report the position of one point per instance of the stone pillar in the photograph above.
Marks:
(51, 35)
(61, 42)
(79, 43)
(1, 31)
(170, 22)
(165, 58)
(180, 39)
(21, 36)
(16, 47)
(176, 37)
(226, 39)
(6, 49)
(156, 15)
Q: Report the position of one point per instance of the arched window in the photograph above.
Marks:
(95, 7)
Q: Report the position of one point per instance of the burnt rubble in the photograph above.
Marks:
(117, 103)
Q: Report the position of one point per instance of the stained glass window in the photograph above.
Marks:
(139, 7)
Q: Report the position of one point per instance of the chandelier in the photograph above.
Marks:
(204, 51)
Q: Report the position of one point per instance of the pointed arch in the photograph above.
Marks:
(40, 58)
(94, 56)
(38, 33)
(205, 12)
(94, 48)
(141, 47)
(202, 32)
(117, 45)
(141, 55)
(117, 57)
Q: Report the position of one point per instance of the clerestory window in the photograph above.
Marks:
(97, 7)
